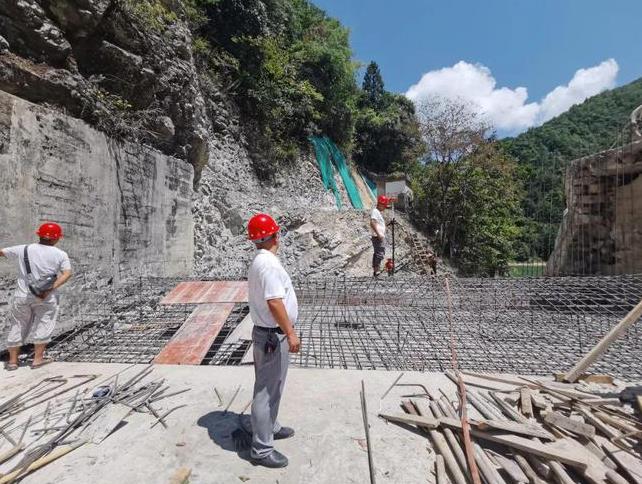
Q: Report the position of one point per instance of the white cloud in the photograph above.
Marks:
(507, 109)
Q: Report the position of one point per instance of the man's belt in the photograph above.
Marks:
(269, 330)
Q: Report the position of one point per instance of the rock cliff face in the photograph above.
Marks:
(132, 75)
(104, 61)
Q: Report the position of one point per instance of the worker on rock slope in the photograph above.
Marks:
(274, 311)
(378, 227)
(42, 268)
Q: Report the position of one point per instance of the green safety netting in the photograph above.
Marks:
(328, 155)
(371, 185)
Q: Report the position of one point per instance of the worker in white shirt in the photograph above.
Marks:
(42, 268)
(378, 228)
(274, 311)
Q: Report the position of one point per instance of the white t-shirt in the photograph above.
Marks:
(268, 280)
(379, 221)
(43, 259)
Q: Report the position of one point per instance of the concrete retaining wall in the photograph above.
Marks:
(125, 209)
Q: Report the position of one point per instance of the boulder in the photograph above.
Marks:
(78, 18)
(30, 32)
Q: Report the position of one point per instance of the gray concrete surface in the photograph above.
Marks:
(125, 209)
(322, 405)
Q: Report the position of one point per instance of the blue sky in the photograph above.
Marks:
(535, 44)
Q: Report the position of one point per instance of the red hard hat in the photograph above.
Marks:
(261, 227)
(383, 200)
(50, 230)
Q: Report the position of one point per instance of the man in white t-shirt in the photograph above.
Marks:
(32, 312)
(378, 228)
(274, 311)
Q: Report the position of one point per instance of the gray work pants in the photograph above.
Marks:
(270, 370)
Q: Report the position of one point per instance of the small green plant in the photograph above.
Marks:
(151, 14)
(113, 101)
(201, 46)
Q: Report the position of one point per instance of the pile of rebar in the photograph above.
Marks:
(58, 414)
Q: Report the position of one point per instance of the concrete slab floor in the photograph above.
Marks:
(322, 405)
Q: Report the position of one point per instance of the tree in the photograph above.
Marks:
(387, 139)
(290, 69)
(373, 85)
(450, 129)
(467, 191)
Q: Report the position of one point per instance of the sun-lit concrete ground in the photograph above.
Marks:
(322, 405)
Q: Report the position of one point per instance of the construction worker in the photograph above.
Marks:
(274, 311)
(42, 269)
(378, 227)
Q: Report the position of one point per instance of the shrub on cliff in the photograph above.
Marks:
(293, 75)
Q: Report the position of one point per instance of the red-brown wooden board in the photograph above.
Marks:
(207, 292)
(195, 337)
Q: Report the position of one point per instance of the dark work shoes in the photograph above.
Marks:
(284, 433)
(274, 460)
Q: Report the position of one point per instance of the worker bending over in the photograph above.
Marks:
(378, 227)
(274, 311)
(42, 268)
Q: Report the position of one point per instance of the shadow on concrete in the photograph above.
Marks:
(229, 431)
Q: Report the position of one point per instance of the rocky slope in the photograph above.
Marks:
(114, 66)
(132, 74)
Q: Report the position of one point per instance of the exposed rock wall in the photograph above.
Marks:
(125, 209)
(601, 231)
(124, 73)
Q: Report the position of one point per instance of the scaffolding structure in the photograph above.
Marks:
(523, 326)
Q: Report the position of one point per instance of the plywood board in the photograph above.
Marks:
(207, 292)
(192, 341)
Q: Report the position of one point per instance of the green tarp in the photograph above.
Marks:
(329, 158)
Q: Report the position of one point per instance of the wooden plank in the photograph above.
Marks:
(207, 292)
(563, 392)
(434, 409)
(539, 401)
(563, 422)
(440, 470)
(629, 464)
(488, 470)
(56, 453)
(190, 343)
(507, 380)
(511, 468)
(620, 328)
(417, 420)
(563, 450)
(440, 444)
(533, 478)
(525, 402)
(514, 427)
(598, 424)
(617, 423)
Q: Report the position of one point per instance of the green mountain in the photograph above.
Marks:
(599, 123)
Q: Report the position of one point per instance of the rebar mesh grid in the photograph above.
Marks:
(527, 326)
(126, 326)
(523, 326)
(223, 350)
